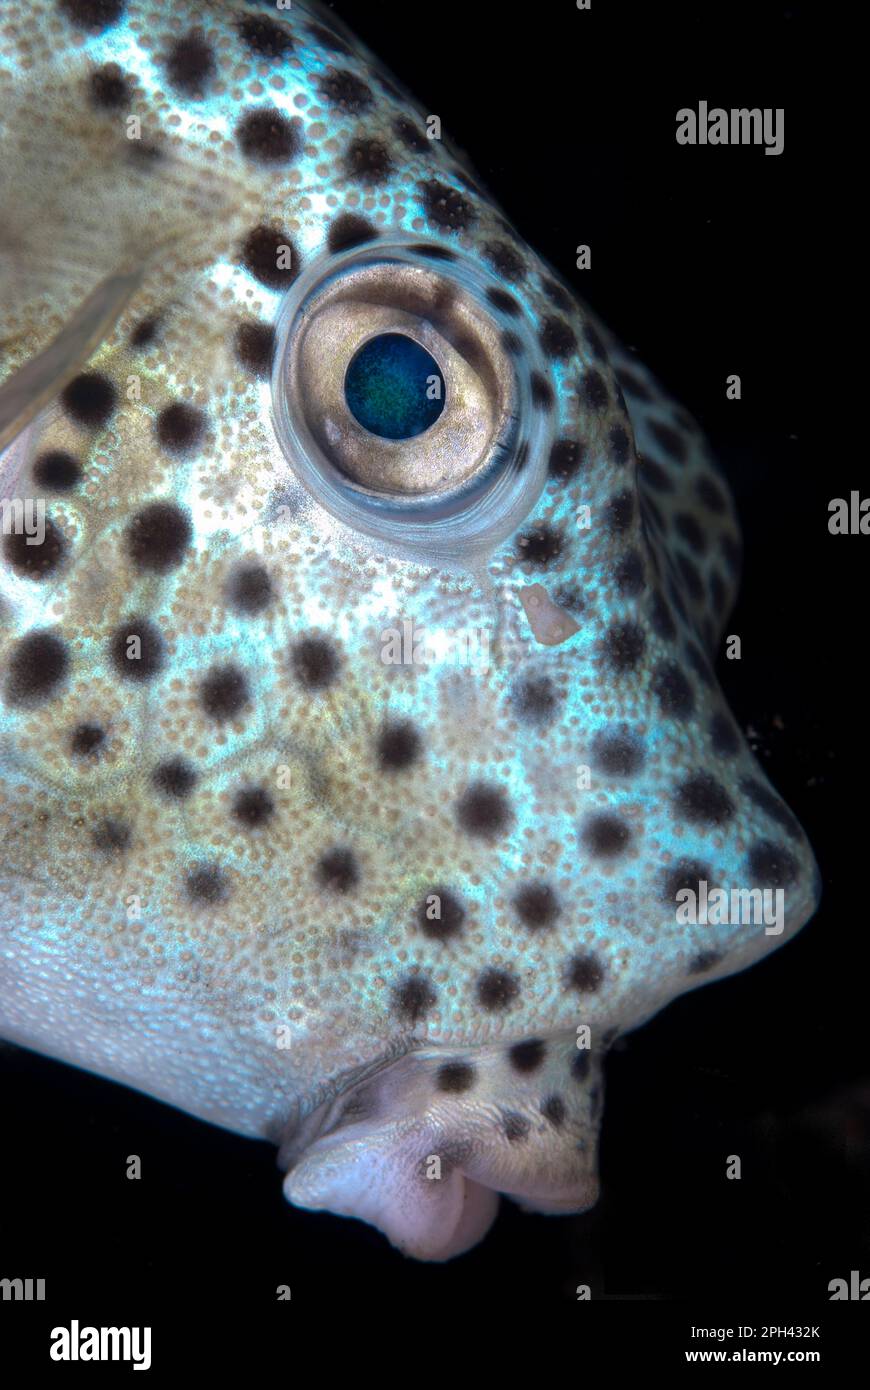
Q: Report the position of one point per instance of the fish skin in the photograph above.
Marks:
(225, 966)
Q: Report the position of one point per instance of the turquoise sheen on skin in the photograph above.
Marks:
(260, 859)
(387, 387)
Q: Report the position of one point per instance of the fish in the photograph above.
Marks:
(365, 771)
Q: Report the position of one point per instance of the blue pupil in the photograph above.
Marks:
(388, 387)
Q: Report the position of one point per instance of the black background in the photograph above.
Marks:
(699, 261)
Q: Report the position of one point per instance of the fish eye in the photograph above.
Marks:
(397, 405)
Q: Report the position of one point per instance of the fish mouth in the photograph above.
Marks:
(341, 1101)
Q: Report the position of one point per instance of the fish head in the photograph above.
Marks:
(363, 759)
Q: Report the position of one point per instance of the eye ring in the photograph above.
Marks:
(455, 487)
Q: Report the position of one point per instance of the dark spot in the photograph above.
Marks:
(516, 1127)
(266, 252)
(223, 692)
(436, 253)
(654, 475)
(450, 914)
(685, 876)
(414, 997)
(368, 161)
(190, 63)
(581, 1064)
(342, 89)
(33, 558)
(771, 866)
(109, 88)
(771, 805)
(398, 745)
(606, 835)
(268, 137)
(254, 346)
(484, 810)
(265, 38)
(620, 444)
(710, 493)
(329, 40)
(629, 575)
(690, 576)
(455, 1077)
(206, 883)
(446, 206)
(617, 752)
(94, 15)
(673, 690)
(542, 391)
(111, 836)
(505, 259)
(699, 664)
(704, 960)
(522, 455)
(633, 385)
(86, 740)
(723, 735)
(566, 458)
(536, 699)
(57, 471)
(553, 1109)
(557, 337)
(146, 153)
(249, 589)
(536, 905)
(158, 536)
(673, 444)
(539, 546)
(338, 871)
(175, 778)
(137, 650)
(253, 806)
(145, 332)
(412, 136)
(584, 973)
(497, 989)
(180, 427)
(593, 391)
(89, 399)
(349, 230)
(703, 801)
(527, 1056)
(623, 646)
(557, 295)
(619, 511)
(504, 302)
(315, 662)
(687, 526)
